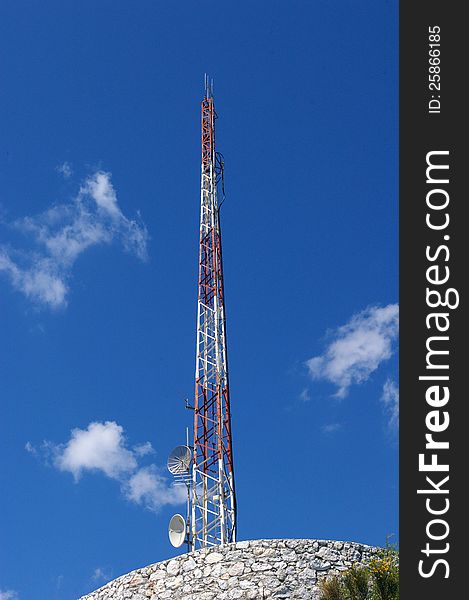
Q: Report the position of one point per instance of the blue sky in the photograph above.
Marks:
(99, 203)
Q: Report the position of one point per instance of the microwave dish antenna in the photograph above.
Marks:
(179, 461)
(177, 531)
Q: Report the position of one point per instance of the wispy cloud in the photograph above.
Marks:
(390, 400)
(331, 428)
(103, 448)
(100, 575)
(357, 348)
(30, 448)
(143, 449)
(65, 170)
(305, 395)
(8, 595)
(57, 237)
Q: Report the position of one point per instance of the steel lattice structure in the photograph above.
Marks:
(212, 497)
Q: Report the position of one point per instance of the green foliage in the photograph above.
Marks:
(356, 582)
(385, 573)
(378, 580)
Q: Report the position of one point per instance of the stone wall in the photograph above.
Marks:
(252, 570)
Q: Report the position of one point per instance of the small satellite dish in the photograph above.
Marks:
(177, 531)
(179, 461)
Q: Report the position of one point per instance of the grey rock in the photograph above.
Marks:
(236, 569)
(189, 564)
(173, 567)
(320, 565)
(214, 557)
(250, 570)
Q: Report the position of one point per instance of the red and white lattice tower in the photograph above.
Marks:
(212, 496)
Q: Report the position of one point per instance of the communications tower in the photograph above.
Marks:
(208, 464)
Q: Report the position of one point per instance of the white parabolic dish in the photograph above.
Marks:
(177, 531)
(179, 461)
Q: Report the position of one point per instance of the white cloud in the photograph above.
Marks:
(99, 447)
(62, 233)
(39, 282)
(357, 348)
(305, 396)
(102, 448)
(150, 489)
(65, 170)
(390, 400)
(143, 449)
(100, 188)
(8, 595)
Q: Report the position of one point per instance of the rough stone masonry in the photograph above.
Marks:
(252, 570)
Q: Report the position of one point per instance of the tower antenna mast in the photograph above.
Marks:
(206, 468)
(213, 501)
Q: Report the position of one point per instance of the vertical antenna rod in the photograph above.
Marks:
(213, 502)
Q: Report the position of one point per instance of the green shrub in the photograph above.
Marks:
(378, 580)
(384, 571)
(357, 582)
